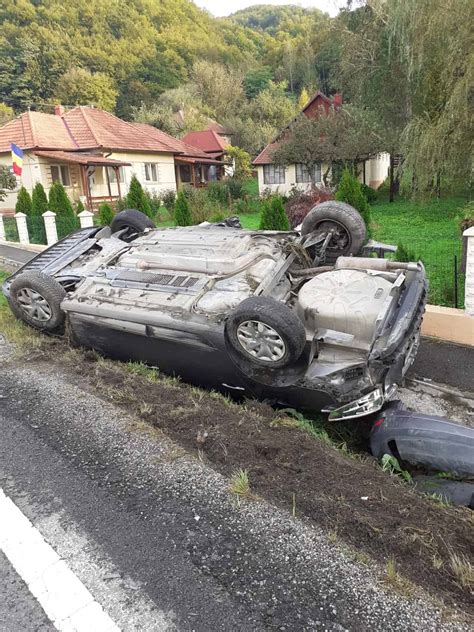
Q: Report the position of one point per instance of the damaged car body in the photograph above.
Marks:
(296, 319)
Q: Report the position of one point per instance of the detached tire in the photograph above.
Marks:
(133, 221)
(345, 220)
(36, 299)
(265, 333)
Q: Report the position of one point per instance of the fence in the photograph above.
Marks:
(43, 229)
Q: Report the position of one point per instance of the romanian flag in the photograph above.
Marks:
(17, 158)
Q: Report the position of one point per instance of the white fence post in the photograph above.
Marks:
(50, 225)
(23, 236)
(86, 218)
(2, 229)
(469, 291)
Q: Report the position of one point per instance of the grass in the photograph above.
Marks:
(239, 484)
(429, 229)
(463, 570)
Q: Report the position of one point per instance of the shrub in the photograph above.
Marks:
(301, 202)
(155, 203)
(274, 216)
(137, 199)
(350, 191)
(369, 192)
(182, 213)
(242, 162)
(236, 188)
(168, 199)
(219, 192)
(106, 214)
(59, 202)
(23, 202)
(404, 254)
(79, 207)
(39, 201)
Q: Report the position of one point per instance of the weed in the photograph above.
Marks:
(463, 570)
(333, 536)
(437, 563)
(390, 464)
(395, 580)
(240, 484)
(146, 409)
(439, 500)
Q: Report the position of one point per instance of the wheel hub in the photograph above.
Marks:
(261, 341)
(34, 305)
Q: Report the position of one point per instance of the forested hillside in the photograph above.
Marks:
(408, 63)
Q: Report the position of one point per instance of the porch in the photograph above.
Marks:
(197, 172)
(92, 178)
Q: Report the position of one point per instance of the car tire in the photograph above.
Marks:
(265, 332)
(351, 230)
(36, 299)
(133, 222)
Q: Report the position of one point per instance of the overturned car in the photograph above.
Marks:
(296, 319)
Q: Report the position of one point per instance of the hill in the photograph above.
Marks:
(270, 18)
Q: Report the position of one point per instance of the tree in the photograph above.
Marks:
(304, 98)
(242, 162)
(350, 191)
(257, 80)
(106, 214)
(6, 113)
(23, 202)
(59, 202)
(7, 182)
(220, 87)
(274, 216)
(137, 199)
(349, 135)
(39, 201)
(79, 86)
(182, 214)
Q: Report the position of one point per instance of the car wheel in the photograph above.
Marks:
(131, 221)
(36, 299)
(349, 230)
(266, 332)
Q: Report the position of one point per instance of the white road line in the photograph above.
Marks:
(63, 597)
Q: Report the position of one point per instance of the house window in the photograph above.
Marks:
(112, 177)
(151, 172)
(60, 173)
(273, 174)
(303, 175)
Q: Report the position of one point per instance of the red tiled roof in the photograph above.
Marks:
(178, 145)
(35, 129)
(207, 140)
(97, 128)
(265, 157)
(81, 159)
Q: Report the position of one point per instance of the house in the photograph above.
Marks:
(281, 180)
(94, 155)
(213, 144)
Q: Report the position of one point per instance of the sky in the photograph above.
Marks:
(226, 7)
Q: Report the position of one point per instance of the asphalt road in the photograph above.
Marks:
(157, 539)
(16, 255)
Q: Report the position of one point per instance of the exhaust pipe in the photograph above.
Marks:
(367, 263)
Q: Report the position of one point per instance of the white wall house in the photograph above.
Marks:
(280, 180)
(94, 155)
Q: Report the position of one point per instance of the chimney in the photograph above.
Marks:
(59, 110)
(337, 101)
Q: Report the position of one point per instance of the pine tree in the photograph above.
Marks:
(59, 202)
(23, 202)
(106, 214)
(182, 214)
(137, 199)
(350, 191)
(39, 200)
(274, 216)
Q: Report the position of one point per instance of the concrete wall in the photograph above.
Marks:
(166, 173)
(376, 170)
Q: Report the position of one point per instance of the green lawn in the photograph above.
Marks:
(430, 230)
